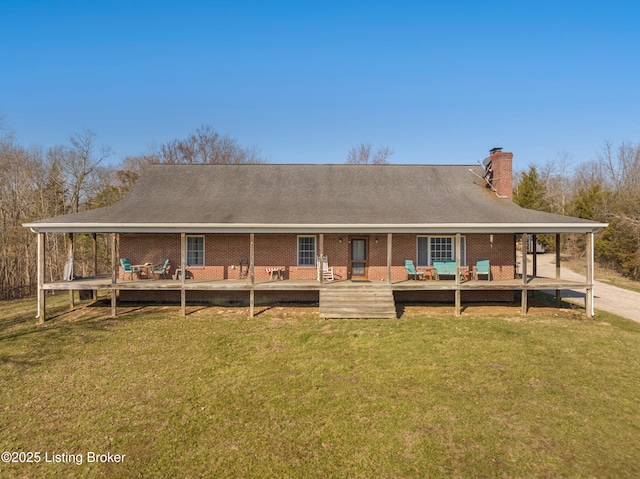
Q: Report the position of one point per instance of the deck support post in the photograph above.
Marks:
(590, 276)
(458, 292)
(114, 272)
(558, 292)
(41, 313)
(183, 276)
(94, 266)
(70, 257)
(389, 256)
(525, 293)
(252, 292)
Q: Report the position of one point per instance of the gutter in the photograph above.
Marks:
(315, 228)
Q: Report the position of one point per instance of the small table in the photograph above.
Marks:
(147, 267)
(273, 271)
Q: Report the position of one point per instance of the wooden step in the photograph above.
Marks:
(360, 303)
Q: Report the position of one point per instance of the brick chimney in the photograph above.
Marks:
(499, 172)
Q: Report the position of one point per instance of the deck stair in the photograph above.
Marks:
(359, 302)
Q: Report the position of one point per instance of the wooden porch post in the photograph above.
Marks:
(535, 255)
(183, 276)
(590, 275)
(114, 272)
(252, 292)
(94, 269)
(558, 292)
(389, 257)
(321, 252)
(41, 314)
(457, 292)
(70, 256)
(525, 294)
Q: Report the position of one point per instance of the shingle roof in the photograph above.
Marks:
(217, 197)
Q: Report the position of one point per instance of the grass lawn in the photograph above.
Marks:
(551, 394)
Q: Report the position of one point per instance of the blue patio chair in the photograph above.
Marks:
(411, 269)
(163, 270)
(482, 267)
(127, 269)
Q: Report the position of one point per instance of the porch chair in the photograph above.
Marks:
(162, 271)
(482, 267)
(411, 269)
(127, 269)
(327, 273)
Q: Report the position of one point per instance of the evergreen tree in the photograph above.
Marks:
(531, 192)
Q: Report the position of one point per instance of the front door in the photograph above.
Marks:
(359, 258)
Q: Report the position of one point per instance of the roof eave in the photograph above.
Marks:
(540, 228)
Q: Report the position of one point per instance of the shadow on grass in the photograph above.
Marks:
(546, 300)
(96, 315)
(89, 315)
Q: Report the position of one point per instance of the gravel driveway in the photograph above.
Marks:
(607, 298)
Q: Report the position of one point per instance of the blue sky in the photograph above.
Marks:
(436, 81)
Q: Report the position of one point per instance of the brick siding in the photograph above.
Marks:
(223, 253)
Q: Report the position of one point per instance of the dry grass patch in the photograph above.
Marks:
(289, 395)
(604, 274)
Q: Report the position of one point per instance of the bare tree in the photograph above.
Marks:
(5, 135)
(79, 164)
(18, 200)
(620, 176)
(207, 146)
(622, 165)
(364, 154)
(557, 175)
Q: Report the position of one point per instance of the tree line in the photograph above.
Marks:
(77, 175)
(36, 183)
(605, 189)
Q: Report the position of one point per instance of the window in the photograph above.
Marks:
(306, 250)
(440, 248)
(195, 250)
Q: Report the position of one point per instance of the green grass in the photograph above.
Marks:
(289, 395)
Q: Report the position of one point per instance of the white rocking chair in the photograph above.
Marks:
(323, 267)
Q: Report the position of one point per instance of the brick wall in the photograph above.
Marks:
(223, 253)
(501, 253)
(150, 248)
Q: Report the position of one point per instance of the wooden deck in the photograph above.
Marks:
(337, 299)
(104, 282)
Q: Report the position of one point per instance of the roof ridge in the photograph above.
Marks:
(465, 165)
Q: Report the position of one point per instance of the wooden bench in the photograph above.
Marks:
(445, 268)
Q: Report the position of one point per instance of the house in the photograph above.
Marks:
(540, 247)
(226, 228)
